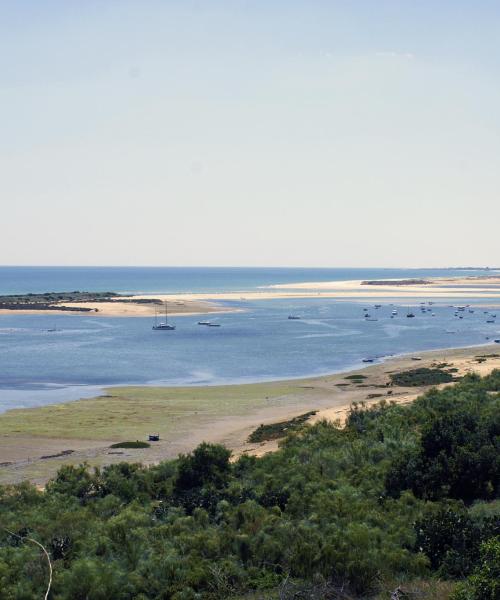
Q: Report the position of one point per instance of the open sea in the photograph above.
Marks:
(260, 343)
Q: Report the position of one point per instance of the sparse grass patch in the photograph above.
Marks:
(420, 377)
(136, 444)
(274, 431)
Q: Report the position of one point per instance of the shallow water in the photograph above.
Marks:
(261, 343)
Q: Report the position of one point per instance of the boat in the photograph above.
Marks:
(416, 358)
(154, 437)
(394, 312)
(293, 317)
(490, 321)
(410, 315)
(203, 322)
(214, 325)
(377, 305)
(368, 360)
(497, 341)
(162, 326)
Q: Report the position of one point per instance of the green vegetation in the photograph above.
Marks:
(356, 377)
(422, 376)
(402, 497)
(59, 300)
(136, 444)
(274, 431)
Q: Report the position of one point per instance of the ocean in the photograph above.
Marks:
(259, 343)
(172, 280)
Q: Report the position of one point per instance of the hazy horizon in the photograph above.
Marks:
(307, 134)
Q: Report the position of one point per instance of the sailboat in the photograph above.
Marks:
(162, 326)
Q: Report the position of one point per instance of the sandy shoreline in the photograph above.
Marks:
(453, 288)
(176, 307)
(31, 439)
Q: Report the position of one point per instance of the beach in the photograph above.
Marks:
(35, 442)
(187, 303)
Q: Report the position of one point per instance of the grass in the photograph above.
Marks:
(355, 377)
(134, 412)
(274, 431)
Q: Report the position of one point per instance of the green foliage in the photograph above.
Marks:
(421, 376)
(274, 431)
(484, 583)
(136, 444)
(457, 454)
(334, 511)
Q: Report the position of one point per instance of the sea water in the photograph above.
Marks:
(257, 343)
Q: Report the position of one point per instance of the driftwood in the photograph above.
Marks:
(27, 539)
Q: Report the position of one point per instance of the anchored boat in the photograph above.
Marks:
(162, 326)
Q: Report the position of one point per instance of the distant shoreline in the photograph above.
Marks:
(112, 304)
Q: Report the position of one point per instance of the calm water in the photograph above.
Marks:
(85, 353)
(18, 280)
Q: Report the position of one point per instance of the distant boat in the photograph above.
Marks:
(214, 325)
(294, 317)
(490, 321)
(203, 322)
(368, 360)
(154, 437)
(162, 326)
(377, 305)
(52, 329)
(410, 315)
(394, 312)
(497, 341)
(371, 319)
(416, 358)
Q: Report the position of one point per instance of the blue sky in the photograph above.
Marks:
(250, 133)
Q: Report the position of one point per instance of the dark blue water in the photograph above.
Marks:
(37, 366)
(19, 280)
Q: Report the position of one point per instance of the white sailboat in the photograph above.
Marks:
(162, 326)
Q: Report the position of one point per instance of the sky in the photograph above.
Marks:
(250, 133)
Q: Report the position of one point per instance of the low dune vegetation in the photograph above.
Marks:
(402, 500)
